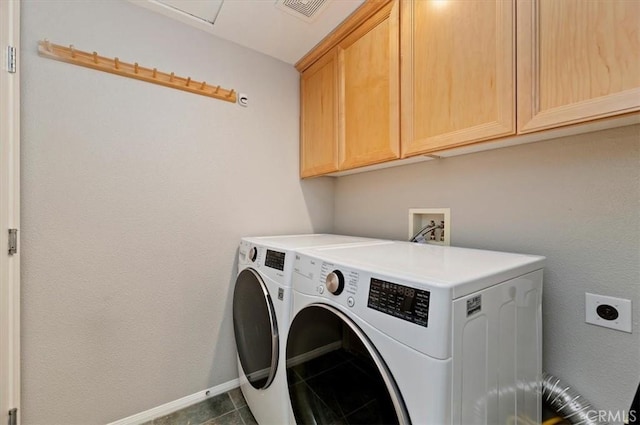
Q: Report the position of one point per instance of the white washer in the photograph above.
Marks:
(422, 334)
(261, 314)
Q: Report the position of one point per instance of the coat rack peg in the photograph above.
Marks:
(69, 54)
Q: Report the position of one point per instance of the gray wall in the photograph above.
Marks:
(135, 196)
(134, 200)
(574, 200)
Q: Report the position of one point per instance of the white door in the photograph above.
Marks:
(9, 212)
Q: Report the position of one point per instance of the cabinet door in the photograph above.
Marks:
(319, 117)
(577, 61)
(458, 73)
(369, 65)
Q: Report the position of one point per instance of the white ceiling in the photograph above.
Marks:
(257, 24)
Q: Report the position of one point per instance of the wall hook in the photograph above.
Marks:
(91, 60)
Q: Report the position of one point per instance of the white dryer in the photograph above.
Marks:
(261, 315)
(415, 334)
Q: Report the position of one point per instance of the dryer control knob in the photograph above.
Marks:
(335, 282)
(253, 253)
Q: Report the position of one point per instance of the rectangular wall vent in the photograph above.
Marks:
(307, 10)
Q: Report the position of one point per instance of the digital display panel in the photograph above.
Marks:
(275, 260)
(399, 301)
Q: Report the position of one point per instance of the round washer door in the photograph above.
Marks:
(336, 375)
(255, 328)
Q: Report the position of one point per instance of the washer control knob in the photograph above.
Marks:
(351, 302)
(253, 253)
(335, 282)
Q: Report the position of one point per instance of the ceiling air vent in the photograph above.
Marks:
(307, 10)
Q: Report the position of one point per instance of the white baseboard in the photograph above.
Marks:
(309, 355)
(187, 401)
(175, 405)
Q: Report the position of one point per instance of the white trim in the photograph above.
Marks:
(187, 401)
(9, 211)
(310, 355)
(299, 359)
(176, 405)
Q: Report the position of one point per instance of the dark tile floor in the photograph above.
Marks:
(229, 408)
(339, 387)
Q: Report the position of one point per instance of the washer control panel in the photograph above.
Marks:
(273, 263)
(399, 301)
(275, 259)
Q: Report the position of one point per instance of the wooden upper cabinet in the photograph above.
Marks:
(369, 87)
(577, 61)
(458, 73)
(350, 93)
(319, 117)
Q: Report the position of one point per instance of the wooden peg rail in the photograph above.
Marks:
(116, 66)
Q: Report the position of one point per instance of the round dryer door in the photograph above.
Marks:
(255, 328)
(336, 375)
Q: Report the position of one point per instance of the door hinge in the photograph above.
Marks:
(13, 241)
(13, 416)
(11, 59)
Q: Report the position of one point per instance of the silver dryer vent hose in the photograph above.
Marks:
(568, 403)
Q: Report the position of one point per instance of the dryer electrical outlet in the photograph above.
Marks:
(610, 312)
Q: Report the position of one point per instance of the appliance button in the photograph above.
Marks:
(351, 302)
(335, 282)
(321, 289)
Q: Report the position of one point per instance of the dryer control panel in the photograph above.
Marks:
(403, 302)
(415, 314)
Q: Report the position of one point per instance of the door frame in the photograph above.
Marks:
(9, 212)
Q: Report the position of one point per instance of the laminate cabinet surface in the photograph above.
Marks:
(319, 117)
(458, 73)
(578, 61)
(369, 92)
